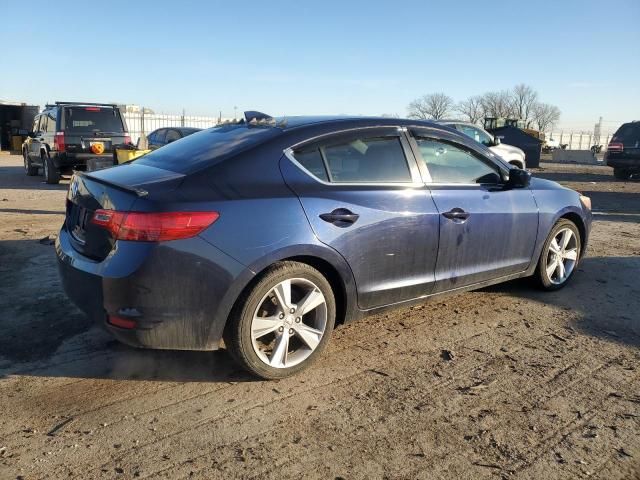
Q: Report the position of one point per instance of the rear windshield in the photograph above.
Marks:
(629, 133)
(92, 120)
(207, 147)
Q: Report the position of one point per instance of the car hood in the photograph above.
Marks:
(543, 184)
(505, 150)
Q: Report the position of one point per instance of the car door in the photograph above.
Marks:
(31, 138)
(486, 231)
(35, 144)
(364, 197)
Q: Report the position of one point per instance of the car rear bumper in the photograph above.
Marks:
(70, 160)
(622, 162)
(179, 294)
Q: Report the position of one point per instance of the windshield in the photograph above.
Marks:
(92, 120)
(207, 147)
(477, 134)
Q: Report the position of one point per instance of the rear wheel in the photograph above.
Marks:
(28, 168)
(51, 173)
(560, 256)
(282, 325)
(621, 173)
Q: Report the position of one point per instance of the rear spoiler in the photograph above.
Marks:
(140, 192)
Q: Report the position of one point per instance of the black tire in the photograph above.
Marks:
(621, 173)
(29, 169)
(51, 173)
(541, 277)
(237, 334)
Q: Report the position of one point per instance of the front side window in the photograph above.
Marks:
(451, 164)
(362, 160)
(44, 120)
(36, 122)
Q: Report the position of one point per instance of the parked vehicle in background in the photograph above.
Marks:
(267, 233)
(70, 136)
(623, 152)
(550, 144)
(513, 155)
(164, 136)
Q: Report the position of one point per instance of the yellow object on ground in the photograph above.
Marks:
(128, 155)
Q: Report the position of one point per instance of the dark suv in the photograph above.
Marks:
(73, 136)
(623, 152)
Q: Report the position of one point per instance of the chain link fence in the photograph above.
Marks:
(144, 123)
(579, 140)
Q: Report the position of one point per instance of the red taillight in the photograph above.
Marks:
(121, 322)
(153, 227)
(92, 109)
(615, 147)
(58, 142)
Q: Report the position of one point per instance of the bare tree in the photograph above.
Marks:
(497, 104)
(435, 106)
(524, 99)
(545, 116)
(471, 109)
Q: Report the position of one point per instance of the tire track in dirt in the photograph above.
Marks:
(411, 374)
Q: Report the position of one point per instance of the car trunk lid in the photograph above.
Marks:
(119, 189)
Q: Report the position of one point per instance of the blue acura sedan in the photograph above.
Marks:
(262, 235)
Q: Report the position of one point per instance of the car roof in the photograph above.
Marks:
(289, 123)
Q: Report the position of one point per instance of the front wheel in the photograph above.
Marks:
(560, 256)
(282, 324)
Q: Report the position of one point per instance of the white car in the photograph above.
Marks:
(513, 155)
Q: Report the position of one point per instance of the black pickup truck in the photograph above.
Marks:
(71, 136)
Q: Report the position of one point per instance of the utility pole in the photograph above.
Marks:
(235, 113)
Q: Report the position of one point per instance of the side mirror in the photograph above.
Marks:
(518, 178)
(496, 141)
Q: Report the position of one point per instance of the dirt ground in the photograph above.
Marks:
(537, 385)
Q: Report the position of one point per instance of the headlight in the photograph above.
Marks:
(586, 202)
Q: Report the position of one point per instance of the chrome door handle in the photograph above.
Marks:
(340, 217)
(456, 214)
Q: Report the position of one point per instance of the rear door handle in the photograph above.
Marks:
(340, 217)
(456, 214)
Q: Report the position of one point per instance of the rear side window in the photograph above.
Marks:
(628, 134)
(172, 136)
(362, 160)
(208, 147)
(92, 120)
(312, 161)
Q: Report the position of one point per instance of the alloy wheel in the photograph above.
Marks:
(289, 323)
(562, 256)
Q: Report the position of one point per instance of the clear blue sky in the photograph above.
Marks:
(322, 57)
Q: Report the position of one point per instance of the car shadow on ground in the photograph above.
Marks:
(50, 338)
(589, 294)
(9, 174)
